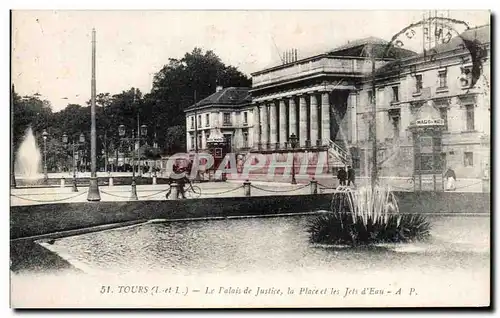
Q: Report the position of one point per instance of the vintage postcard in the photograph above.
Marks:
(250, 159)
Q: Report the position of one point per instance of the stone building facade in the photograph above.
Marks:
(445, 79)
(325, 100)
(227, 111)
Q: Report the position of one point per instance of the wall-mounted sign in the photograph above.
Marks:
(429, 122)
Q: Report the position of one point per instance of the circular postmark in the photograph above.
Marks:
(433, 37)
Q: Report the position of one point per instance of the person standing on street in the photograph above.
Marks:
(342, 176)
(350, 176)
(450, 178)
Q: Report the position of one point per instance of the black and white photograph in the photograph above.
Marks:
(250, 158)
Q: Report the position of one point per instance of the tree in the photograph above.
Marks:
(102, 100)
(175, 139)
(175, 85)
(30, 111)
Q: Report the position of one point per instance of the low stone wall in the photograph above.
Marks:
(48, 218)
(444, 202)
(34, 220)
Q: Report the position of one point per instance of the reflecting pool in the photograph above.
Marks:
(264, 245)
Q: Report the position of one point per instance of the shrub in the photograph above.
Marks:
(366, 217)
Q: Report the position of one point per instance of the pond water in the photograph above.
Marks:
(264, 245)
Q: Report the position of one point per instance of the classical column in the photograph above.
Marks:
(325, 118)
(188, 141)
(203, 140)
(303, 120)
(256, 127)
(292, 117)
(353, 103)
(273, 121)
(264, 124)
(314, 119)
(282, 131)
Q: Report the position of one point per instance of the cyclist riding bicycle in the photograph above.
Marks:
(181, 181)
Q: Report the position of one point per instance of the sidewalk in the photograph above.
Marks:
(330, 181)
(231, 188)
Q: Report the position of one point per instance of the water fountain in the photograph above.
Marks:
(28, 159)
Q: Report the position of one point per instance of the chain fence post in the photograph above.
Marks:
(62, 182)
(314, 186)
(246, 188)
(110, 182)
(175, 191)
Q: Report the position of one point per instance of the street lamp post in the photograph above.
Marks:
(143, 132)
(132, 141)
(93, 193)
(155, 147)
(45, 176)
(74, 146)
(293, 143)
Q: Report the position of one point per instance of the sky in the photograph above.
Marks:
(51, 50)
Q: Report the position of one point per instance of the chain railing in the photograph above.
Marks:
(222, 192)
(279, 191)
(409, 181)
(48, 201)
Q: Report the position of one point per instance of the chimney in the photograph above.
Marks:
(218, 88)
(296, 58)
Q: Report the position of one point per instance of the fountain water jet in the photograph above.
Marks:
(28, 159)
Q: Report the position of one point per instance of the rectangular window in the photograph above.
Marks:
(199, 141)
(192, 142)
(426, 144)
(245, 118)
(370, 97)
(395, 93)
(226, 119)
(418, 83)
(192, 122)
(466, 76)
(468, 159)
(396, 126)
(442, 79)
(199, 121)
(245, 140)
(470, 117)
(444, 116)
(207, 120)
(227, 139)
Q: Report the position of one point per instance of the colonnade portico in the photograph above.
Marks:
(275, 120)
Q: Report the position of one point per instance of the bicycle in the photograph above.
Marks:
(193, 192)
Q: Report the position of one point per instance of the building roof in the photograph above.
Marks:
(480, 34)
(354, 48)
(363, 48)
(227, 96)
